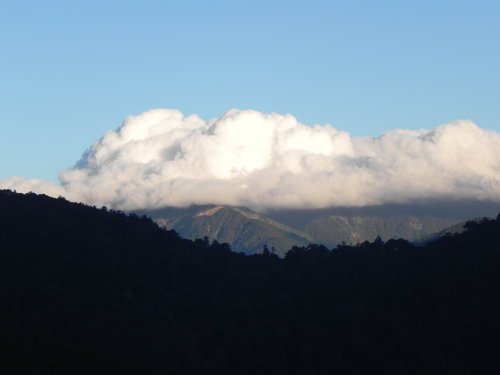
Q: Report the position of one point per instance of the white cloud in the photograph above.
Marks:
(161, 158)
(23, 185)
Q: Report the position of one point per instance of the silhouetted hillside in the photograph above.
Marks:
(84, 290)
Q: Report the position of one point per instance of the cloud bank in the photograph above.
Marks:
(268, 161)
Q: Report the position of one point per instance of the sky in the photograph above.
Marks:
(70, 71)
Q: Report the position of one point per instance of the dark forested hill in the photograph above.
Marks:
(84, 290)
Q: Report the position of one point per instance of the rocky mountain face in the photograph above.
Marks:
(248, 231)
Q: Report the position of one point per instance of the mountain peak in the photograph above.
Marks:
(209, 212)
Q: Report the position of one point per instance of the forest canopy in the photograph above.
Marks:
(86, 289)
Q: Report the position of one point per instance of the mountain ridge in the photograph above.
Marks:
(244, 230)
(249, 231)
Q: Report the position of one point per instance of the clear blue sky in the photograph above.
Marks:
(71, 70)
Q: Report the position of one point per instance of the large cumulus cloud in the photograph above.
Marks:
(162, 158)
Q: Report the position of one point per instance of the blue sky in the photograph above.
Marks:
(72, 70)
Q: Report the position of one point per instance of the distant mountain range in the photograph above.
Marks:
(244, 230)
(248, 231)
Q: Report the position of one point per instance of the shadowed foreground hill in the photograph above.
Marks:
(84, 290)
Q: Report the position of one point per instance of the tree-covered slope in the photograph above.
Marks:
(84, 291)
